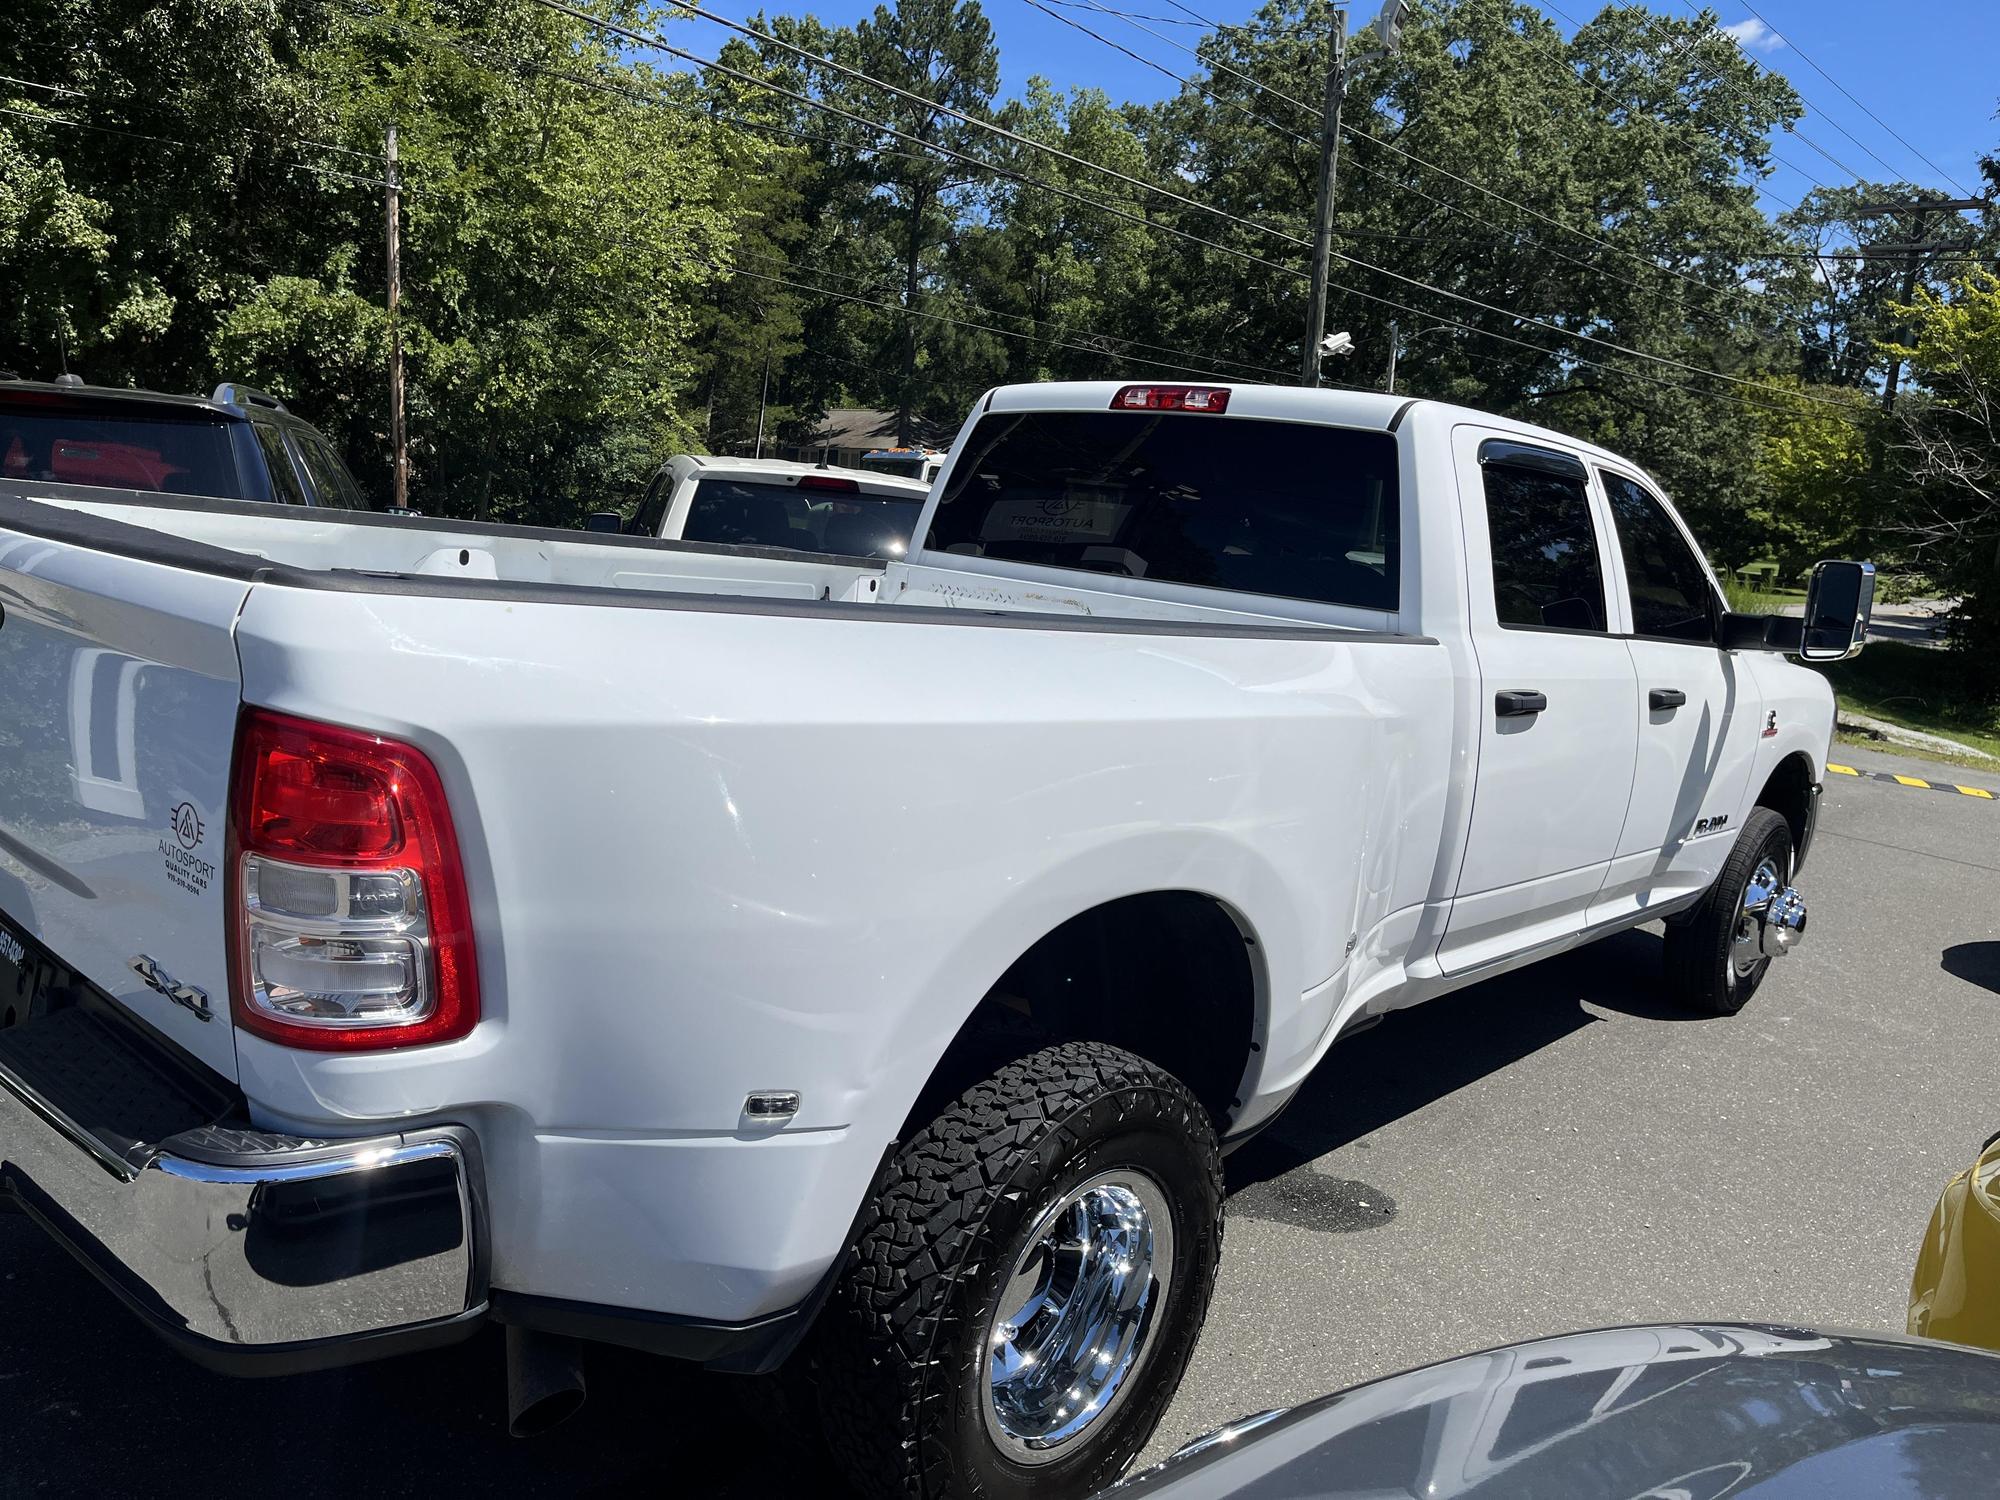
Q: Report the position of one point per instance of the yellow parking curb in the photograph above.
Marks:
(1916, 781)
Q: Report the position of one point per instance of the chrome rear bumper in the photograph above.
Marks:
(254, 1252)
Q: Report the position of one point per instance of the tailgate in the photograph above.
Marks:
(121, 685)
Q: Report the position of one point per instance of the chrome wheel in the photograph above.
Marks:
(1746, 951)
(1076, 1315)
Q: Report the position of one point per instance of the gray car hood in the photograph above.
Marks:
(1667, 1412)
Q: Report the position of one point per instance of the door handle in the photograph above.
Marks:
(1516, 703)
(1666, 698)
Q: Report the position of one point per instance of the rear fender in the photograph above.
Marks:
(912, 1043)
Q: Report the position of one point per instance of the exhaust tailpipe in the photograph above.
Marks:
(544, 1381)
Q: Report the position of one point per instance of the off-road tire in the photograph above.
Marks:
(899, 1349)
(1698, 965)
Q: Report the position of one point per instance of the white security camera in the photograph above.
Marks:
(1337, 343)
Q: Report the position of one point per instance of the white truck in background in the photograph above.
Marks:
(747, 955)
(775, 502)
(921, 464)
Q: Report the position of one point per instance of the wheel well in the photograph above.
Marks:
(1788, 793)
(1167, 975)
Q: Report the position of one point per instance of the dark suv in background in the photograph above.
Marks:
(237, 444)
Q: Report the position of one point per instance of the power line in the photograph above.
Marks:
(913, 312)
(1119, 212)
(1787, 41)
(1684, 51)
(46, 88)
(857, 75)
(269, 135)
(187, 145)
(868, 283)
(1311, 110)
(1714, 316)
(1629, 107)
(1353, 134)
(1005, 173)
(1435, 322)
(1519, 317)
(1163, 20)
(1348, 131)
(1715, 28)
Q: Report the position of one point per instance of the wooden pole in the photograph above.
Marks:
(1329, 166)
(398, 437)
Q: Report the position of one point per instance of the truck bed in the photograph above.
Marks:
(359, 551)
(726, 824)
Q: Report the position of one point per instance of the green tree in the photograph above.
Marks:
(1061, 272)
(1852, 268)
(150, 165)
(215, 210)
(942, 52)
(1948, 453)
(1822, 491)
(1622, 214)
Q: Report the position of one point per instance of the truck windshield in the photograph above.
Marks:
(76, 443)
(1289, 509)
(742, 512)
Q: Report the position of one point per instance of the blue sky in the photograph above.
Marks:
(1927, 69)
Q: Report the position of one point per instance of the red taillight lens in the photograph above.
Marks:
(311, 802)
(1206, 398)
(831, 483)
(350, 924)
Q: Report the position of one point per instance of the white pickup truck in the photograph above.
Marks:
(405, 924)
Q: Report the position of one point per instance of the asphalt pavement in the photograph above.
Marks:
(1555, 1150)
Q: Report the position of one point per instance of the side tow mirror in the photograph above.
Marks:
(1839, 601)
(604, 520)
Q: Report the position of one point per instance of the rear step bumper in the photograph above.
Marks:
(253, 1253)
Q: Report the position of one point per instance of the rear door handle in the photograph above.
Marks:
(1516, 703)
(1666, 698)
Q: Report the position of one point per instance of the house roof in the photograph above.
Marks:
(865, 428)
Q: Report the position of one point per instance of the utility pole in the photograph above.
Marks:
(764, 399)
(398, 437)
(1329, 167)
(1388, 37)
(1389, 385)
(1920, 211)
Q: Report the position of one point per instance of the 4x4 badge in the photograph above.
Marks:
(160, 981)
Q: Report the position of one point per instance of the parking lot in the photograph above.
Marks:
(1553, 1150)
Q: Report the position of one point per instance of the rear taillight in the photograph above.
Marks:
(831, 484)
(350, 927)
(1208, 398)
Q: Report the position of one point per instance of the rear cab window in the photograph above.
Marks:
(1547, 571)
(117, 445)
(835, 516)
(1288, 510)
